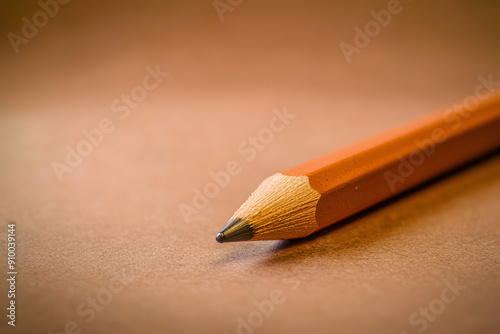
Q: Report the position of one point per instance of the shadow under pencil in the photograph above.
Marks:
(285, 244)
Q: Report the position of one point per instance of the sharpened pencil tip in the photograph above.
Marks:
(237, 229)
(220, 237)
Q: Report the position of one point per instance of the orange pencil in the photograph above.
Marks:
(304, 199)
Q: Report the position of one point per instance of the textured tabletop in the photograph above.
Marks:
(130, 133)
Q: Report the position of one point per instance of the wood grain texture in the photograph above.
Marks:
(282, 207)
(116, 215)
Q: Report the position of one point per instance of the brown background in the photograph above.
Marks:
(117, 214)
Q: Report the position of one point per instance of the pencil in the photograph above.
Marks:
(309, 197)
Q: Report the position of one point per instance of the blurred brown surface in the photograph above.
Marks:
(116, 215)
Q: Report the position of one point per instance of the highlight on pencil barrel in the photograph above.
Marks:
(306, 198)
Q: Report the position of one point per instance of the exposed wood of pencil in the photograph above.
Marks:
(320, 192)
